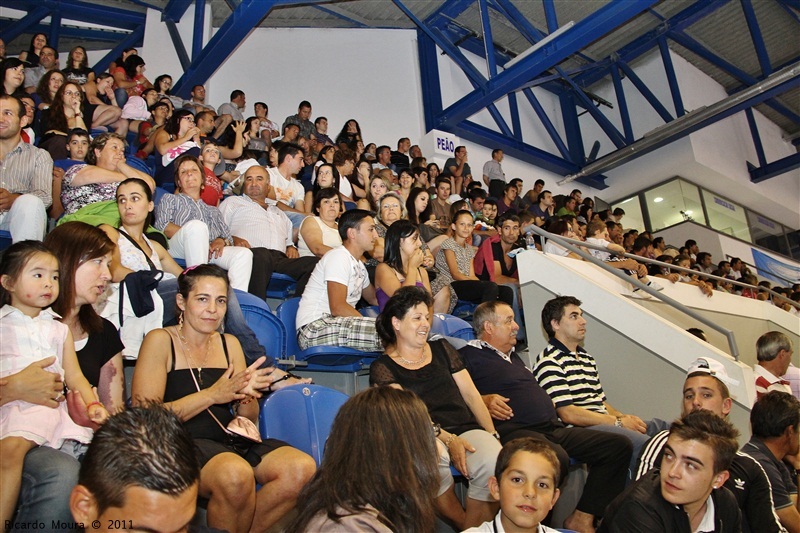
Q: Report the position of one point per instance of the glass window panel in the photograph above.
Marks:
(767, 233)
(633, 218)
(726, 216)
(674, 202)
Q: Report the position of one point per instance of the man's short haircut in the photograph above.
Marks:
(459, 148)
(380, 149)
(618, 211)
(77, 132)
(145, 446)
(641, 243)
(530, 445)
(770, 344)
(505, 217)
(417, 171)
(542, 195)
(722, 264)
(485, 312)
(351, 219)
(496, 151)
(657, 241)
(735, 261)
(773, 413)
(341, 156)
(287, 150)
(689, 243)
(490, 201)
(17, 101)
(304, 103)
(575, 191)
(508, 186)
(554, 310)
(262, 104)
(319, 119)
(443, 179)
(194, 87)
(202, 114)
(610, 224)
(715, 432)
(476, 193)
(515, 181)
(702, 255)
(236, 93)
(401, 140)
(537, 182)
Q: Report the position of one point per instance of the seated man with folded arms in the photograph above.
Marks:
(521, 408)
(327, 314)
(686, 494)
(706, 387)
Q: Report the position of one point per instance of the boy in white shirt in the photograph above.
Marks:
(597, 234)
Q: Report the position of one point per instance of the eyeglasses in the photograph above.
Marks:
(72, 93)
(189, 118)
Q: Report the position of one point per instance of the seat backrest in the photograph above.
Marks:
(268, 329)
(138, 164)
(301, 415)
(452, 326)
(287, 314)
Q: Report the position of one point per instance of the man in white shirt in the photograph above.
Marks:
(287, 190)
(493, 175)
(258, 224)
(327, 315)
(235, 107)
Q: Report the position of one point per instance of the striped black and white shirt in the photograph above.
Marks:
(570, 378)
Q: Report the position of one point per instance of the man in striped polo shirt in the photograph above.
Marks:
(569, 376)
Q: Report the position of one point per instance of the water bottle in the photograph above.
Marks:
(529, 241)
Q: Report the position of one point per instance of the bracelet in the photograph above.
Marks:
(450, 440)
(90, 404)
(248, 400)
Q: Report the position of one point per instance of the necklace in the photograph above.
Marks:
(411, 363)
(188, 353)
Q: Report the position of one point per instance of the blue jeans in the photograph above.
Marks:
(121, 96)
(48, 477)
(235, 323)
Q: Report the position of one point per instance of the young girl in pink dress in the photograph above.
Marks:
(29, 333)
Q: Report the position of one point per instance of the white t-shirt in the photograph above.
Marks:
(337, 265)
(287, 191)
(551, 247)
(496, 526)
(598, 254)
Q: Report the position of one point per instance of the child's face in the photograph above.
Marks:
(489, 211)
(526, 491)
(36, 286)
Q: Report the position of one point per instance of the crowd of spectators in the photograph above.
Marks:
(169, 180)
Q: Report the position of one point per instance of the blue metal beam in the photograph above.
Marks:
(572, 126)
(550, 15)
(174, 10)
(55, 26)
(547, 123)
(488, 44)
(793, 12)
(18, 27)
(759, 146)
(758, 39)
(135, 38)
(776, 168)
(177, 43)
(685, 18)
(672, 79)
(198, 27)
(646, 92)
(431, 86)
(449, 10)
(608, 128)
(622, 102)
(582, 34)
(77, 10)
(513, 107)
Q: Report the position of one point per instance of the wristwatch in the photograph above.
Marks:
(618, 422)
(437, 430)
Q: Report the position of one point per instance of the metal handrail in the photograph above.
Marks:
(569, 244)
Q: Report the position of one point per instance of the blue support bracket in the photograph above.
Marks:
(18, 27)
(672, 79)
(572, 126)
(513, 107)
(776, 168)
(576, 38)
(547, 123)
(431, 86)
(550, 15)
(622, 102)
(487, 38)
(197, 27)
(646, 92)
(759, 146)
(77, 10)
(758, 39)
(177, 43)
(55, 29)
(134, 39)
(174, 10)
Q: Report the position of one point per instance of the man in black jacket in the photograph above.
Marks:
(686, 494)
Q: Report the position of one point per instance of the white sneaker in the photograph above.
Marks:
(638, 293)
(655, 285)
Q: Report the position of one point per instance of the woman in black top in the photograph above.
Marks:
(435, 372)
(202, 376)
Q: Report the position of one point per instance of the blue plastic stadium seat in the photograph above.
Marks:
(301, 415)
(319, 358)
(5, 239)
(371, 311)
(281, 286)
(452, 326)
(268, 329)
(464, 310)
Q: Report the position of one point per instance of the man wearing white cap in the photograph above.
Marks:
(706, 387)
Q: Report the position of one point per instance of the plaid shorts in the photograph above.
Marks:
(355, 332)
